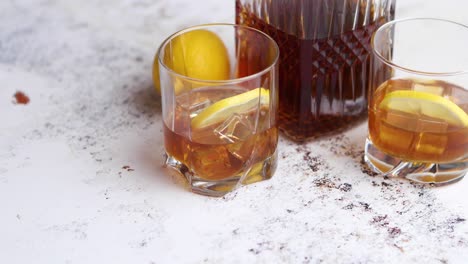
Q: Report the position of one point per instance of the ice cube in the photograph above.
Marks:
(196, 108)
(264, 119)
(432, 126)
(395, 138)
(214, 162)
(183, 101)
(402, 121)
(192, 105)
(415, 123)
(427, 86)
(242, 150)
(235, 128)
(429, 143)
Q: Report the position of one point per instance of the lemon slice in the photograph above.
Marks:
(224, 108)
(429, 104)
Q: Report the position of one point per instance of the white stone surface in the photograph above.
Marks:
(65, 198)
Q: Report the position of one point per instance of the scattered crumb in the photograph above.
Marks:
(21, 98)
(127, 168)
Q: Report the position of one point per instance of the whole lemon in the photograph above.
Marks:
(197, 54)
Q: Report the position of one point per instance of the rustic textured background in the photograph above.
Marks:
(80, 175)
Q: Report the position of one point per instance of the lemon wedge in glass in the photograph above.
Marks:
(226, 107)
(425, 103)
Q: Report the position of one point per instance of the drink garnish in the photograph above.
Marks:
(226, 107)
(425, 103)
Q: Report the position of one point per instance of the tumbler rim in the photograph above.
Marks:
(220, 82)
(406, 69)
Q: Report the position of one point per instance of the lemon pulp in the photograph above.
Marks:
(226, 107)
(425, 103)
